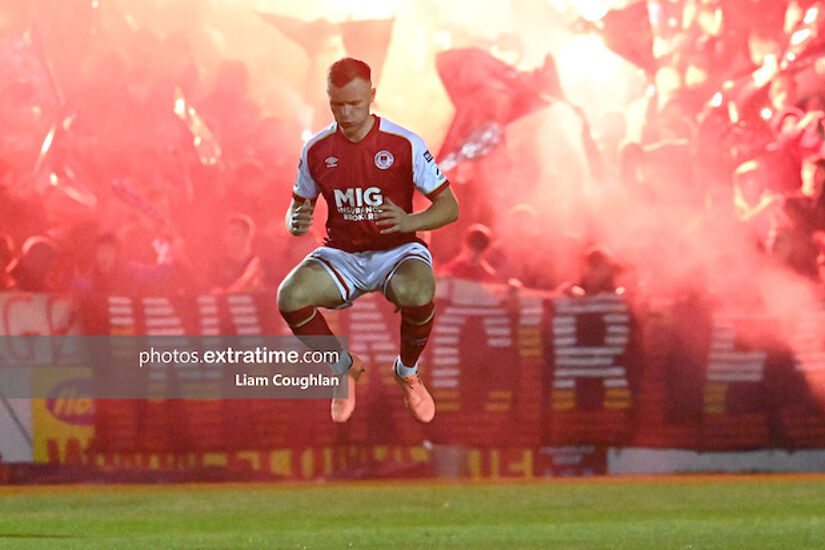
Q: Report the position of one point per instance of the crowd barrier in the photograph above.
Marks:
(526, 384)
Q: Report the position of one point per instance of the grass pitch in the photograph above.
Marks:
(708, 512)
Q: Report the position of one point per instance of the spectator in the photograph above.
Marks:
(792, 247)
(755, 204)
(230, 112)
(782, 92)
(110, 274)
(630, 158)
(807, 209)
(820, 270)
(526, 255)
(6, 257)
(22, 211)
(30, 272)
(470, 263)
(245, 186)
(599, 275)
(240, 270)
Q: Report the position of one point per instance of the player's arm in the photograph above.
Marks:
(443, 211)
(299, 216)
(430, 182)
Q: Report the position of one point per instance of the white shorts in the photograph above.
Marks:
(356, 273)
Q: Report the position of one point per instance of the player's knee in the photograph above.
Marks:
(291, 297)
(418, 293)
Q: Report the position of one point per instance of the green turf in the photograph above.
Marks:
(680, 513)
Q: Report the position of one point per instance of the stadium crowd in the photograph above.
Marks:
(128, 166)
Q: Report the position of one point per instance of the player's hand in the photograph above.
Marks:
(394, 219)
(301, 219)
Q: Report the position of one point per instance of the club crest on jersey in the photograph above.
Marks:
(332, 162)
(384, 159)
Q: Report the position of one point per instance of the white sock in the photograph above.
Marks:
(342, 365)
(403, 370)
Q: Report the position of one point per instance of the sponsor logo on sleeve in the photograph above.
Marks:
(429, 158)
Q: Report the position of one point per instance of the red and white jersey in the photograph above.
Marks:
(389, 162)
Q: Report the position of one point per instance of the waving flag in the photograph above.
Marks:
(627, 32)
(312, 36)
(488, 94)
(367, 39)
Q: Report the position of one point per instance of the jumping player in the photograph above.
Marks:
(367, 169)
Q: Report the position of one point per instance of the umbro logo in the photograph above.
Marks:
(332, 162)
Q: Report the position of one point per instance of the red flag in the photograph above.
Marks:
(369, 40)
(488, 94)
(627, 32)
(313, 36)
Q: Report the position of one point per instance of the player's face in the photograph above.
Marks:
(350, 105)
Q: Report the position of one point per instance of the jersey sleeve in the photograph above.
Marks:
(305, 187)
(427, 176)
